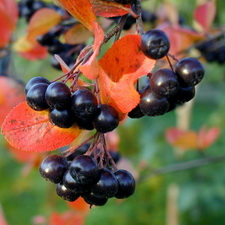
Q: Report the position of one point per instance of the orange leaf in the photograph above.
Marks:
(188, 140)
(82, 11)
(205, 14)
(172, 134)
(180, 38)
(109, 9)
(41, 22)
(79, 205)
(31, 130)
(120, 68)
(67, 218)
(78, 34)
(207, 137)
(11, 94)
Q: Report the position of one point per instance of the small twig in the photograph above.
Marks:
(168, 59)
(139, 22)
(183, 166)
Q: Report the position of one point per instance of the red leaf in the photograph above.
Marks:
(207, 137)
(11, 94)
(120, 68)
(172, 134)
(39, 25)
(205, 14)
(109, 9)
(180, 38)
(8, 20)
(31, 130)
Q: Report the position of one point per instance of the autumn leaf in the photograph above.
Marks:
(78, 34)
(180, 38)
(11, 94)
(79, 205)
(31, 130)
(39, 25)
(8, 20)
(205, 14)
(109, 8)
(206, 137)
(120, 68)
(30, 50)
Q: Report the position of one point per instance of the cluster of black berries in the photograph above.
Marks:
(167, 88)
(65, 109)
(82, 177)
(213, 50)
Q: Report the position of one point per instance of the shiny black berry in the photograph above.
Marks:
(36, 97)
(91, 199)
(35, 80)
(61, 118)
(53, 168)
(84, 104)
(66, 193)
(107, 185)
(126, 184)
(136, 113)
(189, 72)
(84, 169)
(164, 83)
(58, 95)
(155, 44)
(107, 119)
(151, 105)
(84, 124)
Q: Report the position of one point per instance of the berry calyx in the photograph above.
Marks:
(107, 119)
(53, 168)
(189, 72)
(155, 44)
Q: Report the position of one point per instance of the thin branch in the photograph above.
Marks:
(183, 166)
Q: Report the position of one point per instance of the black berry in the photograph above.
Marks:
(84, 169)
(58, 95)
(53, 168)
(189, 71)
(91, 199)
(35, 80)
(126, 184)
(36, 97)
(107, 119)
(66, 193)
(155, 44)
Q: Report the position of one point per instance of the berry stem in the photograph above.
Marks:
(168, 59)
(139, 22)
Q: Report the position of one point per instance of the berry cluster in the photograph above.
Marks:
(167, 87)
(83, 177)
(66, 109)
(213, 50)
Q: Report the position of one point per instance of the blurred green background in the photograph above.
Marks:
(191, 197)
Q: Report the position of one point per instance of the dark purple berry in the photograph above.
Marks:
(91, 199)
(183, 95)
(151, 105)
(66, 193)
(155, 44)
(58, 95)
(36, 97)
(53, 168)
(84, 104)
(123, 2)
(84, 169)
(35, 80)
(106, 186)
(136, 113)
(126, 184)
(107, 119)
(84, 124)
(189, 72)
(61, 118)
(164, 83)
